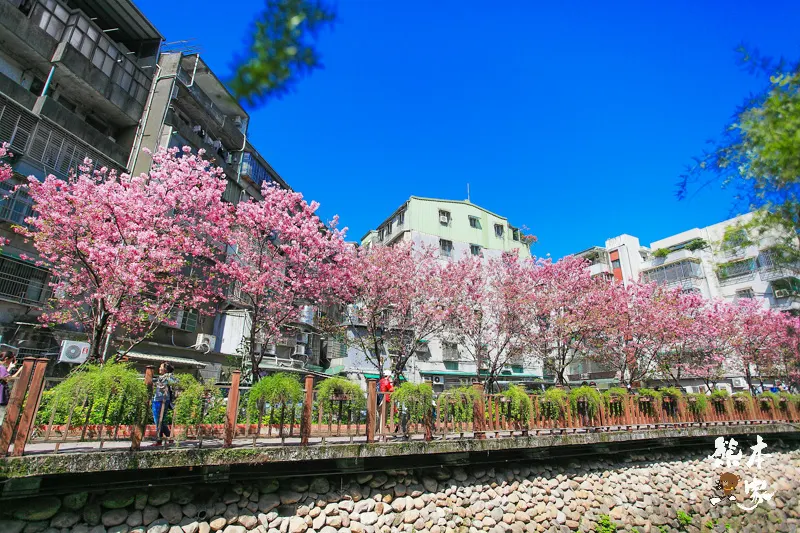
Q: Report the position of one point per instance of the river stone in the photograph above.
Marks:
(35, 509)
(158, 496)
(140, 501)
(172, 512)
(297, 524)
(368, 518)
(122, 528)
(63, 519)
(430, 484)
(248, 520)
(117, 499)
(75, 501)
(159, 526)
(218, 523)
(289, 497)
(182, 495)
(134, 518)
(98, 529)
(299, 484)
(203, 527)
(269, 486)
(150, 514)
(114, 517)
(235, 529)
(320, 485)
(11, 526)
(189, 525)
(190, 510)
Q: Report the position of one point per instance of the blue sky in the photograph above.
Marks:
(574, 119)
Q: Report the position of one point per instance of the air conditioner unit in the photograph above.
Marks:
(739, 383)
(205, 342)
(781, 293)
(689, 390)
(302, 338)
(437, 379)
(444, 219)
(74, 352)
(300, 349)
(270, 349)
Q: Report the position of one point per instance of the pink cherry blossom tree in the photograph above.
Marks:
(566, 312)
(637, 326)
(759, 337)
(396, 306)
(126, 251)
(281, 258)
(489, 306)
(5, 169)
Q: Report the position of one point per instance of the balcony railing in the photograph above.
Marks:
(255, 170)
(674, 272)
(23, 283)
(74, 27)
(736, 269)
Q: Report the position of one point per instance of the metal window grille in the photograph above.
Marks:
(22, 282)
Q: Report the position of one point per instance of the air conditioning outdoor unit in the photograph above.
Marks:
(689, 390)
(739, 383)
(205, 342)
(300, 349)
(781, 293)
(444, 219)
(74, 352)
(270, 349)
(437, 379)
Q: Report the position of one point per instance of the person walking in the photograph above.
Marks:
(162, 401)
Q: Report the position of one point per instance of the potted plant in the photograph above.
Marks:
(697, 403)
(614, 399)
(281, 390)
(742, 401)
(767, 400)
(519, 406)
(336, 390)
(585, 401)
(553, 403)
(458, 403)
(648, 400)
(719, 400)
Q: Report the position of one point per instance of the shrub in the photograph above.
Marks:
(605, 525)
(697, 402)
(341, 387)
(767, 400)
(615, 408)
(112, 393)
(521, 403)
(652, 406)
(742, 401)
(459, 402)
(553, 403)
(282, 389)
(793, 399)
(661, 252)
(198, 403)
(696, 244)
(589, 396)
(417, 399)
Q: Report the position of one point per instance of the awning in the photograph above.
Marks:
(335, 370)
(181, 361)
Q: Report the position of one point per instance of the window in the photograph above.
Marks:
(474, 222)
(444, 218)
(14, 206)
(446, 247)
(616, 264)
(475, 249)
(185, 319)
(380, 234)
(745, 293)
(23, 282)
(516, 369)
(451, 365)
(515, 234)
(450, 351)
(388, 229)
(401, 218)
(498, 230)
(736, 268)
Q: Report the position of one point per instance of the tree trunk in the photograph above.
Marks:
(98, 335)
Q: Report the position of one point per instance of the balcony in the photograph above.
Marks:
(736, 271)
(254, 170)
(687, 271)
(23, 282)
(212, 99)
(672, 257)
(91, 67)
(599, 268)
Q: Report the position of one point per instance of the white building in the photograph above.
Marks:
(456, 228)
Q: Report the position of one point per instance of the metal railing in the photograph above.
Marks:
(23, 283)
(74, 27)
(85, 422)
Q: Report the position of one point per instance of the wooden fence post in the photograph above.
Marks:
(14, 407)
(138, 430)
(479, 414)
(28, 418)
(308, 404)
(232, 410)
(372, 408)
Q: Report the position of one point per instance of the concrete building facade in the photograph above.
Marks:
(695, 260)
(456, 229)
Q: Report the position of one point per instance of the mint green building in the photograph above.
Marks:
(455, 227)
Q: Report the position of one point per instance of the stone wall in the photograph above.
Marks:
(635, 493)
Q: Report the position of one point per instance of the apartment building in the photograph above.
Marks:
(456, 229)
(694, 260)
(74, 80)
